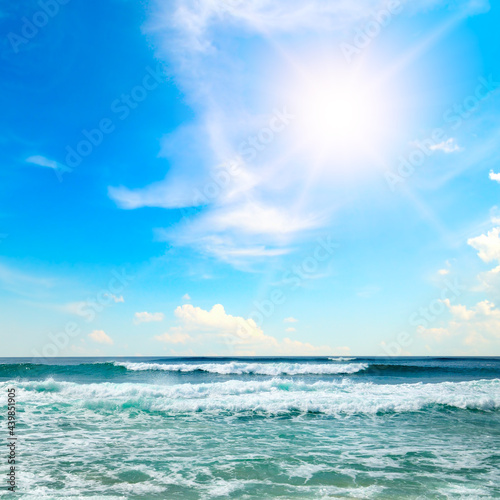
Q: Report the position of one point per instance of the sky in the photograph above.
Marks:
(250, 177)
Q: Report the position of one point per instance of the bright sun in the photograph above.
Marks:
(337, 115)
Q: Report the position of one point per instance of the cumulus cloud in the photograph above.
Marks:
(459, 310)
(243, 335)
(488, 245)
(494, 176)
(216, 320)
(474, 327)
(100, 337)
(290, 329)
(146, 317)
(186, 296)
(290, 319)
(490, 280)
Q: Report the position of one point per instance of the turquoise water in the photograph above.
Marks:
(259, 428)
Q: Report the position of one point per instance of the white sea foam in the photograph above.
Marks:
(275, 396)
(341, 358)
(239, 368)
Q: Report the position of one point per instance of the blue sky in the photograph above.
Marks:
(250, 178)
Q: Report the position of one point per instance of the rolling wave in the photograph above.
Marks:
(277, 396)
(238, 368)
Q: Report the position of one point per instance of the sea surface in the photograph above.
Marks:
(254, 428)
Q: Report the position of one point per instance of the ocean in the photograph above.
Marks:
(254, 428)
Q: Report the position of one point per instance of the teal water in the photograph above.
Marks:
(290, 428)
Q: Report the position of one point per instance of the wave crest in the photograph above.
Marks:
(238, 368)
(273, 397)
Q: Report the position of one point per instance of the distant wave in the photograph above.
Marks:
(238, 368)
(43, 369)
(335, 366)
(340, 366)
(272, 397)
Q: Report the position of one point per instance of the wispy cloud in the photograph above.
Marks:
(269, 202)
(448, 146)
(115, 298)
(146, 317)
(174, 338)
(241, 218)
(23, 283)
(41, 161)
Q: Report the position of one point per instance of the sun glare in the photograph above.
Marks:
(338, 115)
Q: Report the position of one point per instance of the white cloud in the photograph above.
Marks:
(236, 231)
(243, 335)
(476, 327)
(290, 319)
(174, 338)
(290, 329)
(489, 280)
(488, 245)
(494, 176)
(459, 310)
(216, 320)
(41, 161)
(448, 146)
(186, 296)
(435, 333)
(444, 272)
(115, 298)
(101, 337)
(194, 20)
(76, 308)
(163, 194)
(146, 317)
